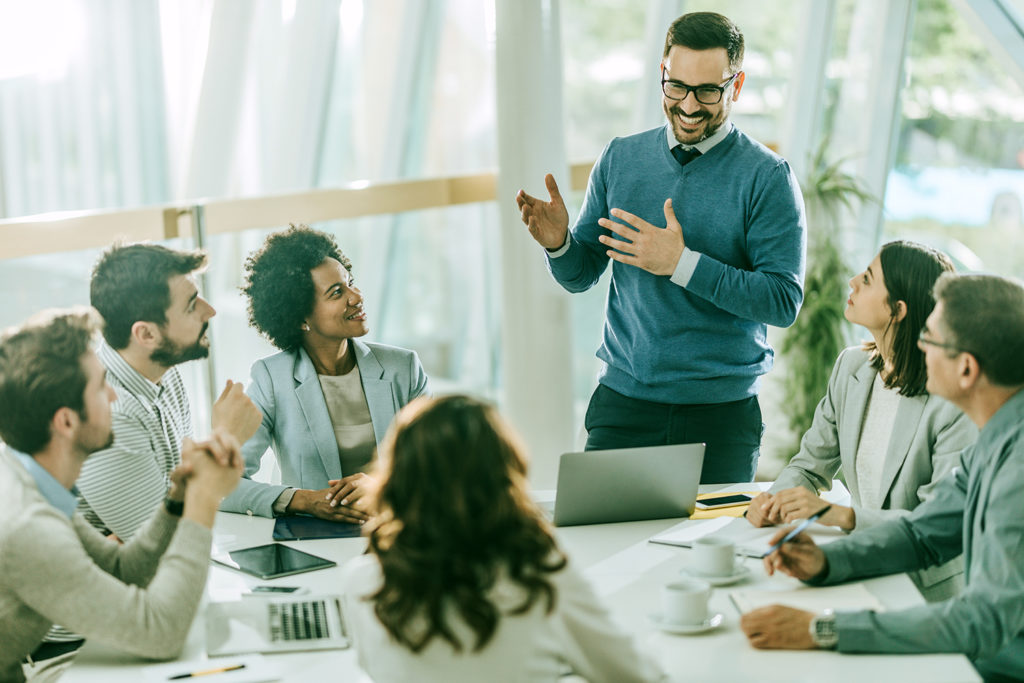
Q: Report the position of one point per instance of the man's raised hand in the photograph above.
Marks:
(650, 247)
(548, 221)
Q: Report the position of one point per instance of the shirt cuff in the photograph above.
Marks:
(684, 269)
(280, 506)
(555, 253)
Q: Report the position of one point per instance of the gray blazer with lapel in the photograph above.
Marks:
(296, 424)
(928, 436)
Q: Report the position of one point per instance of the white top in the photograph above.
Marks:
(535, 646)
(879, 420)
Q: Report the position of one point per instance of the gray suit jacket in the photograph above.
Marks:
(977, 511)
(296, 424)
(928, 436)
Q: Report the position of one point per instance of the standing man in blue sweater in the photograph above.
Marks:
(706, 233)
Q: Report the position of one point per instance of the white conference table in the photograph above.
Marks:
(627, 572)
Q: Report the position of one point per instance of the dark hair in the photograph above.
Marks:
(984, 316)
(451, 517)
(707, 31)
(130, 283)
(909, 271)
(41, 372)
(279, 282)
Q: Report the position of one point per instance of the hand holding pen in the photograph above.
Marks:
(795, 553)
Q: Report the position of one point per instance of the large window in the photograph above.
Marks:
(958, 178)
(160, 101)
(112, 105)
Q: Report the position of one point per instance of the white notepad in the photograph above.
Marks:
(848, 597)
(750, 540)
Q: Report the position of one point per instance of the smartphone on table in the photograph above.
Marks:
(277, 590)
(724, 501)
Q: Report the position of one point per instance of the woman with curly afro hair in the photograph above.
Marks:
(327, 397)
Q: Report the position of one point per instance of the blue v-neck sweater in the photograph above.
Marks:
(741, 210)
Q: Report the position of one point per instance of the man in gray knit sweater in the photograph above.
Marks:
(54, 566)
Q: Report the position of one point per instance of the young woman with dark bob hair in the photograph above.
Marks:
(327, 397)
(892, 440)
(463, 580)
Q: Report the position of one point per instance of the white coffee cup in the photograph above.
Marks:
(713, 556)
(685, 601)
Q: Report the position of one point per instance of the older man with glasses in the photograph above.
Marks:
(705, 231)
(974, 351)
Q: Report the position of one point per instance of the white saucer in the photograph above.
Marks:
(685, 629)
(741, 572)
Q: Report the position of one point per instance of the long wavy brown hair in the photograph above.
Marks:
(451, 516)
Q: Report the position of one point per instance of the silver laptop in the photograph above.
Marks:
(628, 484)
(286, 624)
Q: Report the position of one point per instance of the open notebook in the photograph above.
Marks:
(750, 540)
(853, 596)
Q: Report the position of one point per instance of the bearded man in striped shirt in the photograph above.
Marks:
(154, 320)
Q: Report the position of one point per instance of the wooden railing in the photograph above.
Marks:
(74, 230)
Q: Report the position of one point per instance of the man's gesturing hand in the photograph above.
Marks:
(654, 249)
(548, 221)
(235, 412)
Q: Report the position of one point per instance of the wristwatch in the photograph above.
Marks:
(823, 630)
(174, 507)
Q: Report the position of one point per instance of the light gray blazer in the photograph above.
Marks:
(297, 425)
(928, 436)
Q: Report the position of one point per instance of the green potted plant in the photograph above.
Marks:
(810, 346)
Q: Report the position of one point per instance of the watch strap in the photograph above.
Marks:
(174, 507)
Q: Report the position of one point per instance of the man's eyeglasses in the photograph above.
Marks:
(924, 340)
(705, 94)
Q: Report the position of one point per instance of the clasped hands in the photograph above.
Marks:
(644, 245)
(214, 464)
(342, 501)
(795, 503)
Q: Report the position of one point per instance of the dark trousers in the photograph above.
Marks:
(732, 431)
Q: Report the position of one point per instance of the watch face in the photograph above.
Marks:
(823, 631)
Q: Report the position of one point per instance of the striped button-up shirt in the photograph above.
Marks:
(121, 486)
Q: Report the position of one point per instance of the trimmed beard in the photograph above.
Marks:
(671, 112)
(169, 354)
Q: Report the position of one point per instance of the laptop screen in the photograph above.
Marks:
(628, 484)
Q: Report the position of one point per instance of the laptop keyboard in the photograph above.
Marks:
(298, 621)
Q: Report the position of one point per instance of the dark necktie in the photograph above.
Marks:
(685, 156)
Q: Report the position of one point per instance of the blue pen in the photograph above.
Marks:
(799, 527)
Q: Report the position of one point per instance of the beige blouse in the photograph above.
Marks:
(350, 417)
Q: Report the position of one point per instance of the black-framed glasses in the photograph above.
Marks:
(705, 94)
(922, 338)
